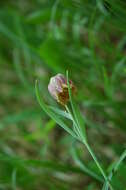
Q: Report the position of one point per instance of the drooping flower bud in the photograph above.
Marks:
(58, 88)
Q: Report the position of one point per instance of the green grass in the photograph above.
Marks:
(39, 39)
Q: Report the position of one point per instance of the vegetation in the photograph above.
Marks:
(83, 145)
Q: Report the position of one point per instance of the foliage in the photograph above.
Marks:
(38, 39)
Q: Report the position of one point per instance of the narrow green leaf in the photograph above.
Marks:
(76, 113)
(122, 157)
(60, 112)
(114, 169)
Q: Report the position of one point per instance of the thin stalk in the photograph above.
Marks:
(70, 97)
(97, 162)
(82, 138)
(95, 159)
(75, 125)
(88, 147)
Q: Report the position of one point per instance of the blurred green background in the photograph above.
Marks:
(38, 39)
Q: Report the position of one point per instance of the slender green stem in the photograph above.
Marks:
(81, 136)
(97, 162)
(88, 148)
(85, 142)
(95, 159)
(70, 97)
(75, 125)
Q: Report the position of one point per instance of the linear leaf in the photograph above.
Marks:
(60, 112)
(77, 116)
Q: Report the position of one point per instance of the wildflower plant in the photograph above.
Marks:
(62, 89)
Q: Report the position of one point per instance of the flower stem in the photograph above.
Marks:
(76, 129)
(84, 141)
(97, 162)
(95, 159)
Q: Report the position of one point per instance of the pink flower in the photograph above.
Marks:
(58, 88)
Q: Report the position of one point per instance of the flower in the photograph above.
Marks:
(58, 88)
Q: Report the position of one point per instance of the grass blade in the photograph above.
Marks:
(114, 169)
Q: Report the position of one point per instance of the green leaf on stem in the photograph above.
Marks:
(76, 113)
